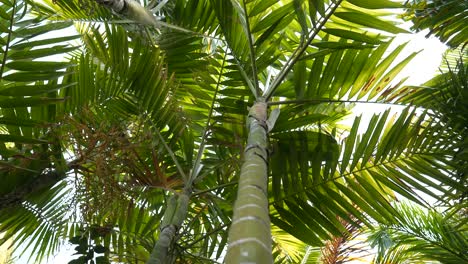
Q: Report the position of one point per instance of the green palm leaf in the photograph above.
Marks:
(445, 19)
(28, 84)
(372, 167)
(41, 217)
(421, 236)
(155, 118)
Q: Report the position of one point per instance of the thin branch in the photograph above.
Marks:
(306, 255)
(298, 52)
(219, 228)
(192, 221)
(171, 153)
(196, 165)
(215, 188)
(134, 12)
(245, 76)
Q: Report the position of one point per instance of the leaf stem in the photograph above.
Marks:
(195, 170)
(5, 53)
(298, 53)
(251, 51)
(215, 188)
(171, 153)
(206, 235)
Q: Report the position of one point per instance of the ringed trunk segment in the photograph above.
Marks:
(130, 9)
(173, 218)
(249, 239)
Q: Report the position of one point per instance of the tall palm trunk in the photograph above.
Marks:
(177, 207)
(249, 235)
(172, 220)
(131, 10)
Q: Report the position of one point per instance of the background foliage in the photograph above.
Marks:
(95, 147)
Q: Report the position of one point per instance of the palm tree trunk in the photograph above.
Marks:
(173, 218)
(250, 235)
(130, 9)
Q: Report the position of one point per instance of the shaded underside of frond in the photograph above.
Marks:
(395, 155)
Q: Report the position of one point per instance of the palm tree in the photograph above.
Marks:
(422, 236)
(28, 100)
(438, 233)
(143, 95)
(445, 19)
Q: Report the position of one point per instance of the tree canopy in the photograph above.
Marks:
(197, 131)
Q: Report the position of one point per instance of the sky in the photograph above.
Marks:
(422, 68)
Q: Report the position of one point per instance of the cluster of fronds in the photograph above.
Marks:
(110, 162)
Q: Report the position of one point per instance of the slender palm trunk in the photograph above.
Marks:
(172, 220)
(130, 9)
(178, 204)
(250, 235)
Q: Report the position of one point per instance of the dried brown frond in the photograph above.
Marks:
(113, 161)
(350, 246)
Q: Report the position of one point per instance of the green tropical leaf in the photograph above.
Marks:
(445, 19)
(153, 116)
(20, 139)
(369, 21)
(31, 101)
(378, 4)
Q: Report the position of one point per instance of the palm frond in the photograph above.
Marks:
(288, 249)
(40, 220)
(333, 15)
(422, 235)
(141, 99)
(344, 74)
(32, 159)
(394, 155)
(29, 81)
(446, 20)
(76, 10)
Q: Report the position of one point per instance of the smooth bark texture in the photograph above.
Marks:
(249, 235)
(130, 9)
(173, 218)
